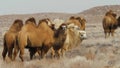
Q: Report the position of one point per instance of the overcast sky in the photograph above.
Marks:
(38, 6)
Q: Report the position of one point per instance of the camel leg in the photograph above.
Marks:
(59, 53)
(16, 50)
(107, 33)
(44, 51)
(39, 52)
(62, 52)
(112, 31)
(31, 55)
(32, 52)
(4, 52)
(21, 53)
(52, 52)
(10, 50)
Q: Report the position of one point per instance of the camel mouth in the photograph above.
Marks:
(83, 34)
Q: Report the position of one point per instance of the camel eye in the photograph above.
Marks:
(81, 35)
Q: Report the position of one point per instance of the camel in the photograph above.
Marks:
(110, 23)
(10, 38)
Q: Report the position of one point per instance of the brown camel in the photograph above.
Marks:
(10, 38)
(32, 36)
(109, 23)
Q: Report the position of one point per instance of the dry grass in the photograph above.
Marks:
(93, 53)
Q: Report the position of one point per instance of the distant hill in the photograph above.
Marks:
(92, 15)
(99, 10)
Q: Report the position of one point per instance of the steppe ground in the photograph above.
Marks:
(94, 52)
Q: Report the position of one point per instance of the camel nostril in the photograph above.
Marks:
(81, 35)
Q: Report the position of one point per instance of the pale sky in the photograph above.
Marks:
(38, 6)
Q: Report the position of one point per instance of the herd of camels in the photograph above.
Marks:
(43, 37)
